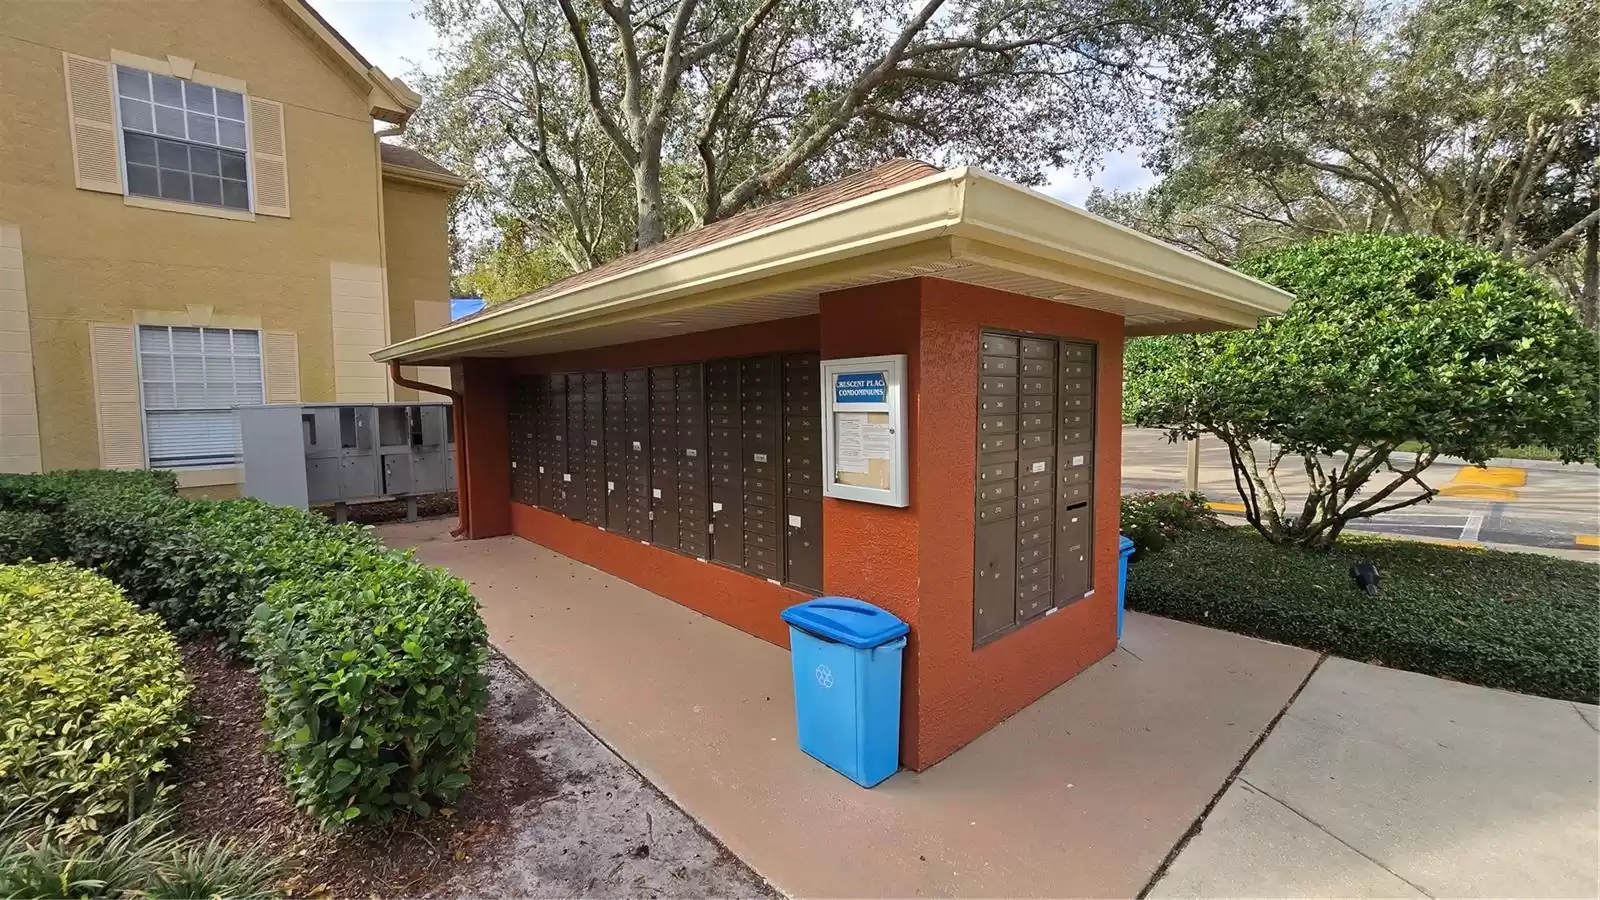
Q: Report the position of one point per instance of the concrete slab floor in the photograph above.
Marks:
(1452, 790)
(1083, 793)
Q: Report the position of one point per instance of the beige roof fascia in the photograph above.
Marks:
(408, 175)
(388, 99)
(956, 215)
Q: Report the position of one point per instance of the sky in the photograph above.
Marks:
(394, 38)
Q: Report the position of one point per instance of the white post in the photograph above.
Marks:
(1191, 477)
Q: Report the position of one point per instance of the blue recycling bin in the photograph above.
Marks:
(847, 656)
(1126, 548)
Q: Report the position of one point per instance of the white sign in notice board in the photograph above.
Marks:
(864, 436)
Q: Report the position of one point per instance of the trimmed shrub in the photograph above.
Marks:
(373, 680)
(1507, 620)
(333, 620)
(1153, 520)
(28, 534)
(93, 696)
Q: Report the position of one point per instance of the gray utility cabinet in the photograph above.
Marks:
(299, 454)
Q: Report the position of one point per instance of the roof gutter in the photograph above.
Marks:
(960, 214)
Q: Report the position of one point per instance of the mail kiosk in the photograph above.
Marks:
(864, 430)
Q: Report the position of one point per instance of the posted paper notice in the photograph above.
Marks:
(849, 451)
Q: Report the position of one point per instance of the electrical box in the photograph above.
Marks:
(864, 440)
(298, 454)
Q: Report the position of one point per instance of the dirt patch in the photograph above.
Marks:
(550, 810)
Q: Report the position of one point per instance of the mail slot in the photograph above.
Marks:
(1038, 385)
(997, 470)
(1037, 421)
(1080, 401)
(1032, 484)
(1034, 403)
(1037, 367)
(800, 491)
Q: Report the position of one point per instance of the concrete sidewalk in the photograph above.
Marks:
(1382, 783)
(1084, 793)
(1375, 782)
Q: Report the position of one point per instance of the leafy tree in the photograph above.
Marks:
(1475, 120)
(1391, 339)
(605, 125)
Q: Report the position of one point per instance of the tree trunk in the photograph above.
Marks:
(1589, 297)
(647, 185)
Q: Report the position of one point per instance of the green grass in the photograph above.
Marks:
(1507, 620)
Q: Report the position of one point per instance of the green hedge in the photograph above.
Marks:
(357, 741)
(1508, 620)
(92, 696)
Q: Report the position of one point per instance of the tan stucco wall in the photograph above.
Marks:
(90, 258)
(418, 256)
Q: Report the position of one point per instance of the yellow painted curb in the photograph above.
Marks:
(1226, 507)
(1587, 540)
(1492, 476)
(1477, 492)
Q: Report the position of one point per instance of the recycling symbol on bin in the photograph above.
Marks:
(824, 676)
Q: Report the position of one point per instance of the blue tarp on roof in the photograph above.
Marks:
(461, 307)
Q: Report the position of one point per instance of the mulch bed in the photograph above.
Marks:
(428, 506)
(229, 785)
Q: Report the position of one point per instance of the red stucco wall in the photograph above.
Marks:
(964, 692)
(916, 562)
(873, 552)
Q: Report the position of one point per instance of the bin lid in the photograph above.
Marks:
(852, 622)
(1126, 544)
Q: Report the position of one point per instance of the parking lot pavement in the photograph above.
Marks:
(1525, 505)
(1382, 783)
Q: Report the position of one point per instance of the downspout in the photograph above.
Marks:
(459, 427)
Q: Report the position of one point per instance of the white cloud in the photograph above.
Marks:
(1121, 170)
(391, 34)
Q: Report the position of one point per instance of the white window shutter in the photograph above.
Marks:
(116, 396)
(91, 108)
(280, 355)
(269, 164)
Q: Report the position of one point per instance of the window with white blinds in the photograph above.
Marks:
(190, 379)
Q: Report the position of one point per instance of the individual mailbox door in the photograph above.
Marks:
(803, 544)
(616, 451)
(320, 427)
(358, 477)
(322, 479)
(397, 473)
(1074, 559)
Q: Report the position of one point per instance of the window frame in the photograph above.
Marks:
(122, 130)
(144, 407)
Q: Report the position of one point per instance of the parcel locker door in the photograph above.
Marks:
(803, 544)
(994, 576)
(521, 439)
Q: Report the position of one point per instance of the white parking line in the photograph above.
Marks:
(1469, 531)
